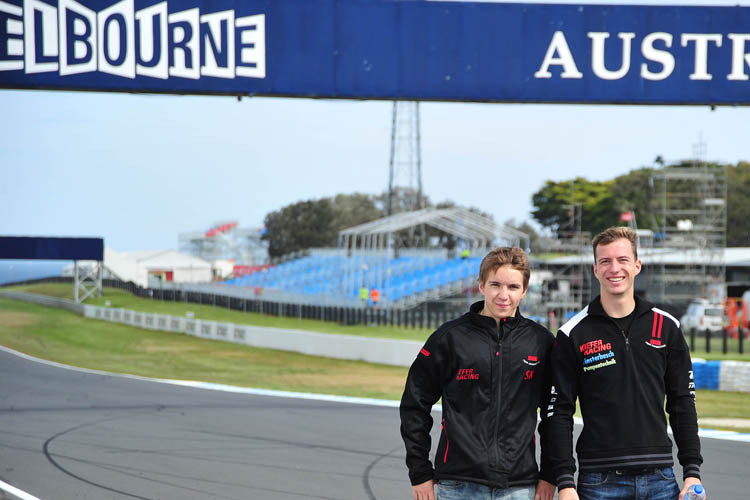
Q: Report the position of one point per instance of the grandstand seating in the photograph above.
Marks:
(399, 280)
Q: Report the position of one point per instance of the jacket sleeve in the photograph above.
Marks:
(557, 416)
(423, 389)
(545, 467)
(683, 418)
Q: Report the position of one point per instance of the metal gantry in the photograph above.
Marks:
(87, 281)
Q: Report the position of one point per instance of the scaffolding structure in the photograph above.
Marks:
(692, 208)
(225, 240)
(568, 286)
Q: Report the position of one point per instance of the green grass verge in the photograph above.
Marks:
(121, 298)
(65, 337)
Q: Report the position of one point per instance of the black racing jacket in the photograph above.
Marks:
(621, 379)
(491, 380)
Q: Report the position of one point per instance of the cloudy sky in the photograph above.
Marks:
(139, 169)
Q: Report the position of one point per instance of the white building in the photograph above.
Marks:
(147, 268)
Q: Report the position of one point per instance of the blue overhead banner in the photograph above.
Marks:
(29, 247)
(378, 49)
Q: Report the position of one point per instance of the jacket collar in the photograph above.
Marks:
(486, 322)
(641, 306)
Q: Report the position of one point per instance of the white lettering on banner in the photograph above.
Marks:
(559, 45)
(40, 59)
(739, 56)
(700, 72)
(559, 54)
(218, 44)
(116, 30)
(184, 37)
(252, 46)
(597, 55)
(13, 38)
(663, 57)
(77, 32)
(118, 40)
(152, 46)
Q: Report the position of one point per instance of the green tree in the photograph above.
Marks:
(301, 225)
(738, 205)
(634, 192)
(564, 206)
(353, 209)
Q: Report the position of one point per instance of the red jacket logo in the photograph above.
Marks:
(595, 346)
(467, 374)
(531, 360)
(655, 341)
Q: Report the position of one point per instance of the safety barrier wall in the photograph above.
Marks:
(722, 375)
(44, 300)
(372, 350)
(716, 375)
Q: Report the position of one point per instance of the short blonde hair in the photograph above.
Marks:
(505, 256)
(611, 234)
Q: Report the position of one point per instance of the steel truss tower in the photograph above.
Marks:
(693, 216)
(405, 168)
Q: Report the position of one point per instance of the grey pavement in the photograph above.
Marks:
(65, 434)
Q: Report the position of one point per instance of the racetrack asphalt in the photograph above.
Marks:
(68, 434)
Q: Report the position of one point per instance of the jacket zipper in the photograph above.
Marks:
(499, 390)
(622, 332)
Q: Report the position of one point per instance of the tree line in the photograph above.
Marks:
(579, 204)
(317, 223)
(560, 207)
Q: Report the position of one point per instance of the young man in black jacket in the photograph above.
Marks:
(621, 356)
(489, 366)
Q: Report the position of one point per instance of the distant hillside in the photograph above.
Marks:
(21, 270)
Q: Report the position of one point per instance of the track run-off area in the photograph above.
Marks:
(68, 433)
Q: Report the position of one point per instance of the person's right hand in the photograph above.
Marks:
(567, 494)
(424, 491)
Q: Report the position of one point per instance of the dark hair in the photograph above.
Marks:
(615, 233)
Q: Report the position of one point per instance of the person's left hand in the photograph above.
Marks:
(544, 490)
(689, 481)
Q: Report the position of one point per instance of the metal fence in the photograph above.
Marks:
(426, 315)
(724, 341)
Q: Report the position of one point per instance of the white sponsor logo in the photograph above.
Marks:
(72, 39)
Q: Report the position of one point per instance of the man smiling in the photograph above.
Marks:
(621, 356)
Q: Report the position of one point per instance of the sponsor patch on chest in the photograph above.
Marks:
(467, 374)
(597, 354)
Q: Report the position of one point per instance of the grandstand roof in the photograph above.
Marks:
(457, 221)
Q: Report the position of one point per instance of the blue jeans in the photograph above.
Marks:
(461, 490)
(658, 485)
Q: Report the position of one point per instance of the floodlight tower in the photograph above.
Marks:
(405, 169)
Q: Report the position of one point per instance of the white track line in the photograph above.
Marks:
(16, 492)
(705, 433)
